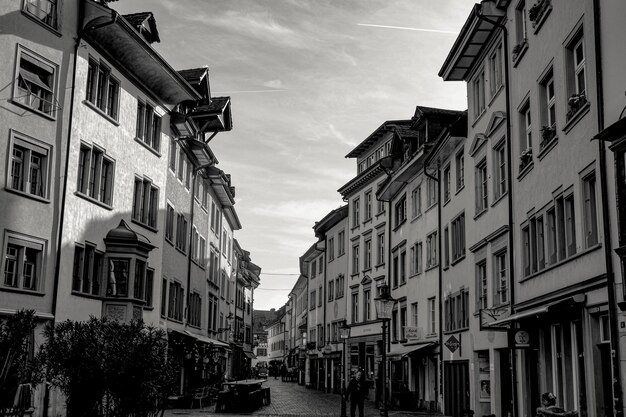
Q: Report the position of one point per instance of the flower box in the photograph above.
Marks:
(575, 103)
(547, 134)
(525, 158)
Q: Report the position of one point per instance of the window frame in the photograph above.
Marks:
(148, 129)
(23, 242)
(99, 97)
(85, 187)
(30, 147)
(44, 65)
(147, 197)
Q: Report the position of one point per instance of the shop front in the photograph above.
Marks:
(413, 371)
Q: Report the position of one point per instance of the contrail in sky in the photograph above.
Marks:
(246, 91)
(405, 28)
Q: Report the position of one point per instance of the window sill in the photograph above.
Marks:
(42, 114)
(518, 57)
(431, 267)
(148, 308)
(547, 147)
(561, 262)
(573, 121)
(480, 213)
(446, 201)
(175, 320)
(145, 145)
(100, 112)
(170, 241)
(538, 23)
(416, 218)
(457, 260)
(498, 199)
(27, 195)
(93, 200)
(145, 226)
(462, 329)
(399, 225)
(380, 213)
(446, 267)
(367, 269)
(357, 227)
(368, 220)
(523, 172)
(22, 291)
(184, 252)
(429, 208)
(379, 265)
(459, 189)
(479, 116)
(495, 94)
(354, 275)
(41, 23)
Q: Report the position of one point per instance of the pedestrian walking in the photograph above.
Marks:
(283, 372)
(357, 392)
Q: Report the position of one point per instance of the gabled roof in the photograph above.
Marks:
(144, 23)
(330, 220)
(422, 111)
(384, 128)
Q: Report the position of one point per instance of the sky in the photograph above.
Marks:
(308, 80)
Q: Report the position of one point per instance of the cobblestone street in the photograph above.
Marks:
(290, 399)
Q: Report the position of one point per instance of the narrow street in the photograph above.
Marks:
(291, 399)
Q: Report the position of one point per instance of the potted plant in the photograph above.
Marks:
(575, 103)
(525, 158)
(517, 49)
(547, 134)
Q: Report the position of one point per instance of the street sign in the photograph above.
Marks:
(411, 332)
(452, 343)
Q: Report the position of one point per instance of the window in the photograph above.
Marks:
(526, 254)
(460, 170)
(173, 153)
(194, 243)
(331, 290)
(481, 285)
(149, 287)
(458, 237)
(394, 324)
(446, 183)
(367, 304)
(188, 175)
(312, 301)
(548, 103)
(570, 225)
(331, 249)
(355, 212)
(102, 89)
(432, 312)
(380, 255)
(313, 269)
(320, 261)
(431, 250)
(403, 317)
(481, 186)
(446, 247)
(400, 211)
(414, 315)
(478, 92)
(148, 126)
(501, 278)
(321, 296)
(495, 70)
(164, 298)
(44, 10)
(499, 185)
(87, 273)
(576, 66)
(145, 202)
(589, 210)
(403, 267)
(355, 259)
(23, 262)
(380, 206)
(181, 232)
(182, 162)
(416, 201)
(176, 301)
(95, 174)
(431, 192)
(341, 241)
(195, 309)
(527, 130)
(35, 86)
(395, 270)
(169, 223)
(29, 167)
(368, 205)
(140, 275)
(456, 309)
(118, 277)
(539, 228)
(551, 218)
(339, 282)
(367, 255)
(355, 307)
(520, 23)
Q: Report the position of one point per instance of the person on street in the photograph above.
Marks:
(356, 393)
(283, 372)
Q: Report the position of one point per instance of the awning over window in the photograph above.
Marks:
(572, 301)
(204, 339)
(399, 351)
(249, 354)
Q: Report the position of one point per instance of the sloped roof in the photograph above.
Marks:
(138, 19)
(193, 75)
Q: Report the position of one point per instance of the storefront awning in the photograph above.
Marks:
(398, 351)
(204, 339)
(249, 354)
(537, 311)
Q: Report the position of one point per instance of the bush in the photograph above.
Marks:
(107, 368)
(16, 366)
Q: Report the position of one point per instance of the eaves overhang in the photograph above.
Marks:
(221, 185)
(401, 177)
(117, 39)
(613, 133)
(232, 218)
(200, 151)
(330, 220)
(447, 142)
(366, 144)
(470, 43)
(212, 115)
(361, 180)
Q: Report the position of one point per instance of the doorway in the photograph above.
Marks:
(456, 387)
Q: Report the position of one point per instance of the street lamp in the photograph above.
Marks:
(344, 333)
(384, 305)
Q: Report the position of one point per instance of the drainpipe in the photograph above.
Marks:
(440, 289)
(57, 267)
(193, 195)
(507, 91)
(325, 302)
(610, 276)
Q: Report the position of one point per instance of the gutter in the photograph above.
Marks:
(618, 400)
(512, 281)
(440, 289)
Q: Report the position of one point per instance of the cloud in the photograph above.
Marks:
(273, 84)
(406, 28)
